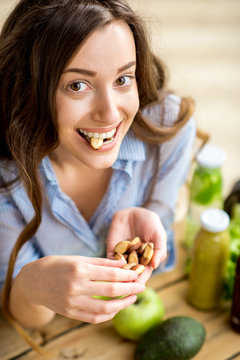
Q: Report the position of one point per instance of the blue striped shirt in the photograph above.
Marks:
(64, 231)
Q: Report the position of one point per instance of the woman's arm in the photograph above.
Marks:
(60, 284)
(175, 159)
(27, 314)
(11, 224)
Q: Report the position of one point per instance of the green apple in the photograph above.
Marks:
(135, 320)
(101, 297)
(108, 297)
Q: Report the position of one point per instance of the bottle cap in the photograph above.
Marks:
(214, 220)
(211, 156)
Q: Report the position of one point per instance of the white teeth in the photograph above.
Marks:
(106, 135)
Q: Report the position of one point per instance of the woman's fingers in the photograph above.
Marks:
(100, 306)
(93, 310)
(92, 318)
(159, 255)
(104, 273)
(160, 248)
(111, 306)
(102, 261)
(114, 289)
(143, 278)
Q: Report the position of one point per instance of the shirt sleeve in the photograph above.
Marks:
(174, 161)
(11, 224)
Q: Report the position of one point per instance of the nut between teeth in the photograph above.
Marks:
(96, 143)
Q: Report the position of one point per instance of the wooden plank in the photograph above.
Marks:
(100, 342)
(222, 342)
(9, 336)
(234, 357)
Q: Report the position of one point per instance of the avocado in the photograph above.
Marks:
(177, 338)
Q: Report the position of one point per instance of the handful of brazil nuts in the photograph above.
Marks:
(138, 254)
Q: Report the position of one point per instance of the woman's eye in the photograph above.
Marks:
(78, 86)
(124, 80)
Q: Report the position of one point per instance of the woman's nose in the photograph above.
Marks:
(106, 108)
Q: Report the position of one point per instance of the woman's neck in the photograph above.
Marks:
(84, 185)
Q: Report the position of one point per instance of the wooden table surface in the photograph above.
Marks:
(70, 339)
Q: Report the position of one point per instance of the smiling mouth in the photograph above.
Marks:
(97, 140)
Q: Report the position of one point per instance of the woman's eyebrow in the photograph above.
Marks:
(81, 71)
(127, 66)
(93, 73)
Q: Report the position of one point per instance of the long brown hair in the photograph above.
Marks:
(37, 41)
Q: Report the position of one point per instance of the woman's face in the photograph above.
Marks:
(97, 98)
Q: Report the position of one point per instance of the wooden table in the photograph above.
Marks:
(70, 339)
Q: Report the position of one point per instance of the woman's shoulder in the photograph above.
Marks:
(8, 171)
(13, 196)
(8, 186)
(164, 112)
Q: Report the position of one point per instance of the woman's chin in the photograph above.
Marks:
(103, 162)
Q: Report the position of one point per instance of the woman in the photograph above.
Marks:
(93, 151)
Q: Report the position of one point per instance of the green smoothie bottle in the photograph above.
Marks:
(205, 188)
(210, 254)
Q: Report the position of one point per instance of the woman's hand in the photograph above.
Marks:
(67, 284)
(137, 221)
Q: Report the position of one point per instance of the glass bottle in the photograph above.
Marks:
(232, 200)
(206, 188)
(235, 311)
(210, 254)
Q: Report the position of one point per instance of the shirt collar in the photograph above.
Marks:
(132, 148)
(47, 170)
